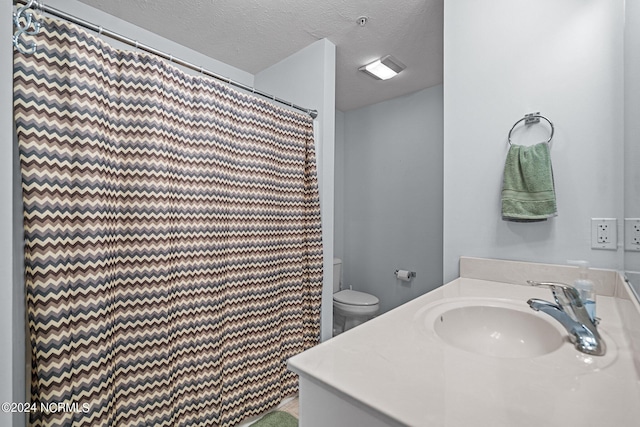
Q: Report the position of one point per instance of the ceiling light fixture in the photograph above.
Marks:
(383, 68)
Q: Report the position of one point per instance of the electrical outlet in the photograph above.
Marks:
(604, 233)
(632, 234)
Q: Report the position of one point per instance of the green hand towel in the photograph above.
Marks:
(528, 191)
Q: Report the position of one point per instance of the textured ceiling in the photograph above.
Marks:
(254, 34)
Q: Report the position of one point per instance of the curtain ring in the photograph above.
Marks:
(170, 58)
(100, 30)
(137, 44)
(28, 14)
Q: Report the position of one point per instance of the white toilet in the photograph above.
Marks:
(350, 308)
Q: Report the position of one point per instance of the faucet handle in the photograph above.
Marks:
(564, 294)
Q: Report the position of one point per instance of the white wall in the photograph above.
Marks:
(505, 58)
(393, 196)
(338, 216)
(307, 78)
(11, 380)
(632, 123)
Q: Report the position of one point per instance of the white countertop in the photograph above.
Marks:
(393, 366)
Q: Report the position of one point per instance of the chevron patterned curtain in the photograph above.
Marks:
(172, 239)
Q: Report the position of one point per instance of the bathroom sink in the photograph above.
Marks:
(497, 329)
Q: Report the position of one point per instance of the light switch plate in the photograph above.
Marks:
(604, 233)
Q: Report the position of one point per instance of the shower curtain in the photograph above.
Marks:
(172, 238)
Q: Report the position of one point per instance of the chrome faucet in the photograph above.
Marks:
(570, 311)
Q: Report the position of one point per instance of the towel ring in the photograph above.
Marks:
(531, 119)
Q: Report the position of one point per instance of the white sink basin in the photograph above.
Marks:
(497, 331)
(505, 332)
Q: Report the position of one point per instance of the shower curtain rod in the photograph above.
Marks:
(100, 30)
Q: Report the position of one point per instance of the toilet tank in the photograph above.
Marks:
(337, 267)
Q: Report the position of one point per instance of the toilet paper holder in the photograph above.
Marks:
(410, 275)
